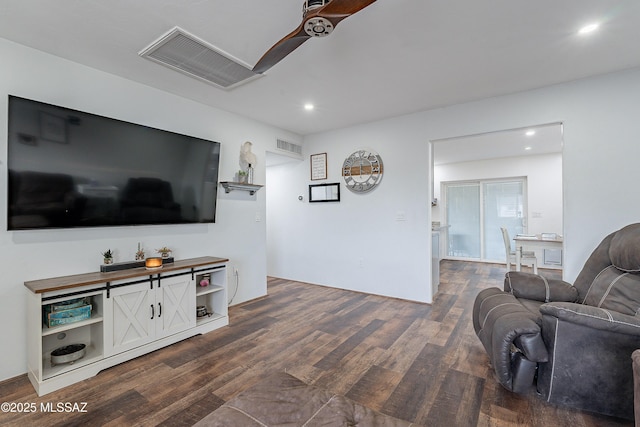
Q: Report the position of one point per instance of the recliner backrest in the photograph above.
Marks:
(610, 278)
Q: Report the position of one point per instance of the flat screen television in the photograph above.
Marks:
(69, 169)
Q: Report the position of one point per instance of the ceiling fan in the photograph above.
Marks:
(319, 18)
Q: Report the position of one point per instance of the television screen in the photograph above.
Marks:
(69, 168)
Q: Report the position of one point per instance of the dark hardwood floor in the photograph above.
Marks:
(414, 361)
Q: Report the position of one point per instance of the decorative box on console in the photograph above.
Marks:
(63, 314)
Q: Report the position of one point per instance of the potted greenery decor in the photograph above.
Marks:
(107, 256)
(164, 252)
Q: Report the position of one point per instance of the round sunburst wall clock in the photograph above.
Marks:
(362, 171)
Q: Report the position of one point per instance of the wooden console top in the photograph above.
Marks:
(67, 282)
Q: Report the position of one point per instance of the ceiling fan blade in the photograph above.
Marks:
(337, 10)
(284, 47)
(334, 12)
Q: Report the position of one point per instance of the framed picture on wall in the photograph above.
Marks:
(324, 193)
(318, 166)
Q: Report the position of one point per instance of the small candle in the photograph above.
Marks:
(153, 262)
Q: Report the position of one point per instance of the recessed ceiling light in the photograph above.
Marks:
(589, 28)
(308, 106)
(527, 148)
(530, 132)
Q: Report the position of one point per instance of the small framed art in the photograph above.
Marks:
(318, 166)
(324, 192)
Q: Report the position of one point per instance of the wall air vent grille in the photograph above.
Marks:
(290, 148)
(196, 58)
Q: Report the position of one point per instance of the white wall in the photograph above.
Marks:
(358, 243)
(29, 255)
(323, 244)
(544, 185)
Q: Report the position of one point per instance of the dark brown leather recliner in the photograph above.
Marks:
(571, 343)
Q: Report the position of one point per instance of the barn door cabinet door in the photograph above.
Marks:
(131, 320)
(141, 313)
(175, 304)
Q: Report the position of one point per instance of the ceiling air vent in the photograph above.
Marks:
(196, 58)
(290, 148)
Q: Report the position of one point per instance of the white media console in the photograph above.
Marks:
(133, 312)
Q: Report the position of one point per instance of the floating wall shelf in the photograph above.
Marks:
(229, 186)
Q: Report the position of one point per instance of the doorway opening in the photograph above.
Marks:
(518, 172)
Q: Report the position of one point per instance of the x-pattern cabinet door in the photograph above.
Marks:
(175, 302)
(132, 312)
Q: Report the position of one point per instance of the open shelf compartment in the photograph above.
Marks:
(213, 296)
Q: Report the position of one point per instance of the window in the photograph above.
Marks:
(475, 211)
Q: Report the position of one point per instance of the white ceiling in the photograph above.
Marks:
(392, 58)
(530, 141)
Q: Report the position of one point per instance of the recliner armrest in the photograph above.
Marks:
(538, 288)
(593, 317)
(512, 337)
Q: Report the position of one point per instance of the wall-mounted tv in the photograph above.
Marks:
(71, 169)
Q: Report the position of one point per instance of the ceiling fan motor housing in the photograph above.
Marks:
(317, 26)
(312, 4)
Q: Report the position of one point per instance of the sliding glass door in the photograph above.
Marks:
(475, 211)
(503, 207)
(463, 217)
